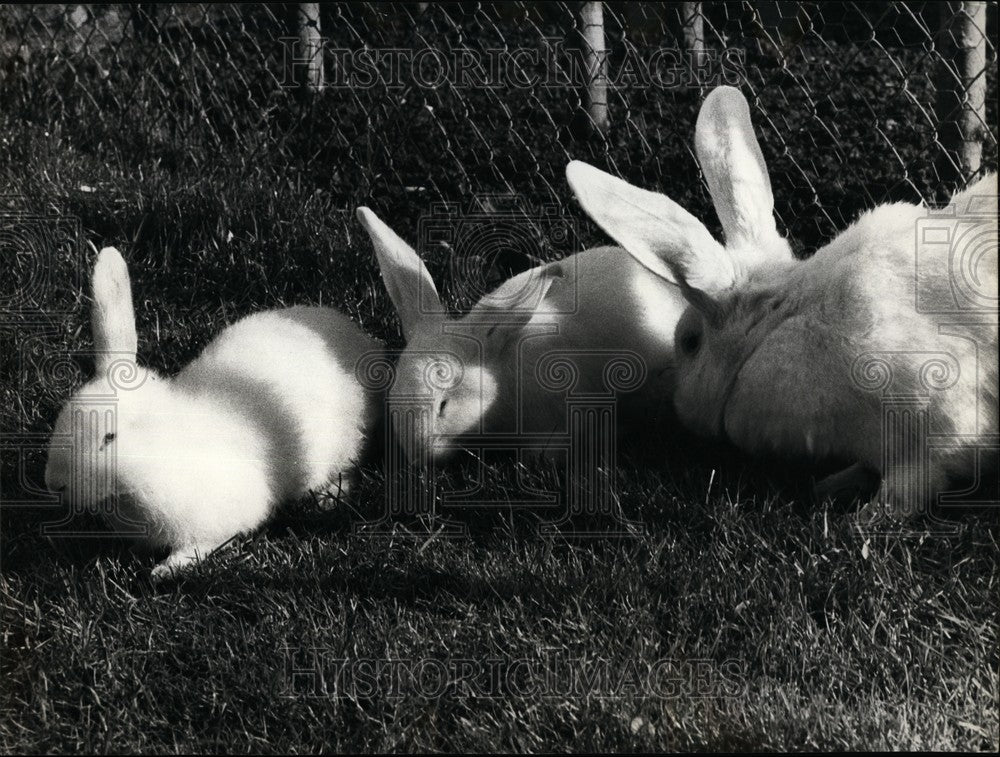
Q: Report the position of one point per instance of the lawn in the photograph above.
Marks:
(738, 616)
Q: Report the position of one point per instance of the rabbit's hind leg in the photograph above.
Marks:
(906, 501)
(855, 483)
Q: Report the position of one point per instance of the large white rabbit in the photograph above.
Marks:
(486, 373)
(270, 410)
(800, 358)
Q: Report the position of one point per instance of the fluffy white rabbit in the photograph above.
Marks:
(270, 410)
(499, 370)
(798, 358)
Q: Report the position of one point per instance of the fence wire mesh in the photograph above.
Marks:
(855, 103)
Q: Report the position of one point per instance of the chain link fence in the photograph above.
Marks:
(407, 104)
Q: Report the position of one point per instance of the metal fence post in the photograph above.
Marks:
(595, 64)
(694, 27)
(307, 22)
(961, 97)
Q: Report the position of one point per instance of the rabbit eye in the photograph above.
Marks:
(690, 343)
(108, 438)
(441, 407)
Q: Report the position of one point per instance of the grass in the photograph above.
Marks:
(779, 624)
(793, 629)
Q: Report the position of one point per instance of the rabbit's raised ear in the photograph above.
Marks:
(112, 317)
(737, 177)
(511, 306)
(654, 229)
(407, 279)
(518, 299)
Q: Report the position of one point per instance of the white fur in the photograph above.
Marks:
(482, 366)
(270, 410)
(780, 342)
(737, 178)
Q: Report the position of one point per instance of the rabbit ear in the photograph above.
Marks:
(407, 279)
(112, 316)
(737, 177)
(654, 229)
(518, 299)
(512, 305)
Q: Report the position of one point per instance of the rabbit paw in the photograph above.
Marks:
(175, 564)
(877, 513)
(856, 482)
(162, 572)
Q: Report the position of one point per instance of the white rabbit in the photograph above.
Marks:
(487, 372)
(795, 358)
(270, 410)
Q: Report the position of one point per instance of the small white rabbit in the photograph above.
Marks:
(795, 358)
(507, 366)
(270, 410)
